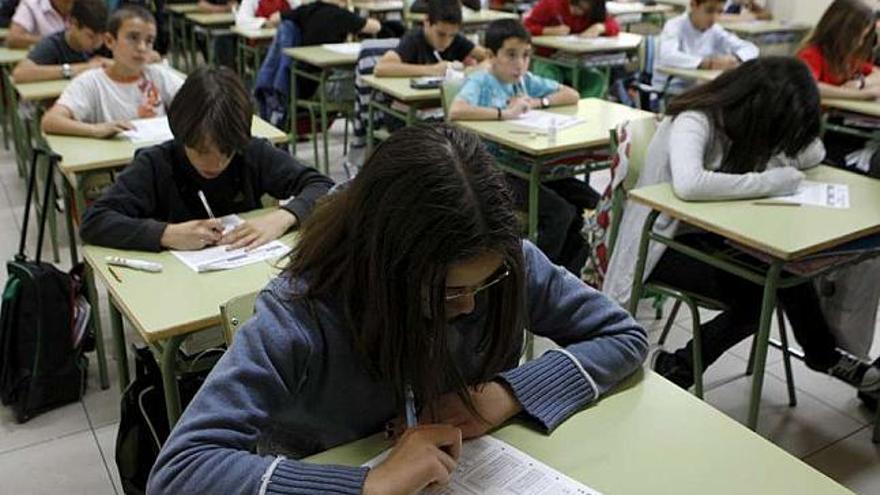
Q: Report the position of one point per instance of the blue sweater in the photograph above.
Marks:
(289, 388)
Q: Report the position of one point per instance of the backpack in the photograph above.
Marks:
(43, 323)
(143, 422)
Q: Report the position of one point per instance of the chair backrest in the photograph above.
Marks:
(235, 312)
(448, 91)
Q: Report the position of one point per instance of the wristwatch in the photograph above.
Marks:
(545, 102)
(66, 72)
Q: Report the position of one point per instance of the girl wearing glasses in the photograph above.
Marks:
(414, 281)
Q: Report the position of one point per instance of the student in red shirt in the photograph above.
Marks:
(561, 17)
(838, 52)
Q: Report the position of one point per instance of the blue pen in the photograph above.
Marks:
(411, 418)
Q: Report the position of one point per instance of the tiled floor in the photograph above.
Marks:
(71, 449)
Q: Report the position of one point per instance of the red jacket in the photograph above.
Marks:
(815, 60)
(548, 13)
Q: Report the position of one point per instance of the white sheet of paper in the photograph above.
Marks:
(818, 194)
(218, 258)
(599, 41)
(149, 130)
(541, 120)
(344, 48)
(616, 8)
(488, 466)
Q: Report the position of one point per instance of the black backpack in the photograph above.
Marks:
(41, 359)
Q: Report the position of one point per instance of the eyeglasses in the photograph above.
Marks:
(457, 293)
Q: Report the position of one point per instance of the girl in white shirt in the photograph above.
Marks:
(745, 135)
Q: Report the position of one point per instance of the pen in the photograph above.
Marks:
(437, 54)
(115, 275)
(529, 133)
(411, 418)
(205, 204)
(775, 203)
(147, 266)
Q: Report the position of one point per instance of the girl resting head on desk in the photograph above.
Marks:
(406, 297)
(747, 134)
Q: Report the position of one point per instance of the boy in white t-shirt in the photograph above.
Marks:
(101, 102)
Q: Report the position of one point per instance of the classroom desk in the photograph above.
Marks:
(648, 437)
(379, 7)
(573, 56)
(771, 37)
(178, 38)
(165, 308)
(697, 75)
(212, 24)
(869, 108)
(399, 91)
(784, 234)
(4, 32)
(252, 47)
(327, 61)
(628, 13)
(529, 157)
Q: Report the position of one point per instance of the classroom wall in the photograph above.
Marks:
(799, 10)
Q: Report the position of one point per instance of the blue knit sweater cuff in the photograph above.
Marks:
(302, 478)
(551, 388)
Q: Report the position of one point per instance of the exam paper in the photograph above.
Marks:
(818, 194)
(344, 48)
(488, 466)
(538, 119)
(218, 258)
(598, 41)
(149, 130)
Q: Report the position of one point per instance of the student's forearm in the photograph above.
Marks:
(21, 40)
(59, 124)
(400, 69)
(565, 96)
(830, 91)
(465, 111)
(34, 72)
(205, 6)
(556, 30)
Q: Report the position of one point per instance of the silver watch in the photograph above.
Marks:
(545, 102)
(66, 71)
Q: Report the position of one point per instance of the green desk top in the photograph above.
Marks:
(470, 17)
(399, 89)
(178, 300)
(599, 117)
(871, 108)
(212, 19)
(765, 27)
(11, 56)
(650, 438)
(321, 57)
(41, 90)
(623, 42)
(379, 5)
(183, 8)
(785, 232)
(699, 75)
(81, 154)
(255, 34)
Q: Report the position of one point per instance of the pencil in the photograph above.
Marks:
(115, 275)
(775, 203)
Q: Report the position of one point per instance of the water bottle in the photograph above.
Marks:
(551, 133)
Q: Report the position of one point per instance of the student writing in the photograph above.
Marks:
(415, 275)
(747, 134)
(154, 203)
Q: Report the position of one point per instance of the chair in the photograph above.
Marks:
(630, 144)
(235, 312)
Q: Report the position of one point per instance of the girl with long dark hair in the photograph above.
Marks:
(747, 134)
(414, 277)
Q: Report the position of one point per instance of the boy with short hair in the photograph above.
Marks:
(418, 51)
(101, 102)
(154, 203)
(694, 40)
(506, 91)
(34, 19)
(70, 52)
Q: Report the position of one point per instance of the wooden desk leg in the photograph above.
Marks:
(118, 329)
(169, 378)
(95, 321)
(762, 338)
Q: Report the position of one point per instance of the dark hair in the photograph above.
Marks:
(503, 29)
(444, 11)
(429, 196)
(838, 36)
(597, 11)
(212, 103)
(766, 106)
(90, 14)
(125, 13)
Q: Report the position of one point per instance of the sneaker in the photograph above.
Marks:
(859, 374)
(673, 368)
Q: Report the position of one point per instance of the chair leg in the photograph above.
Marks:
(658, 303)
(669, 322)
(786, 358)
(697, 352)
(750, 368)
